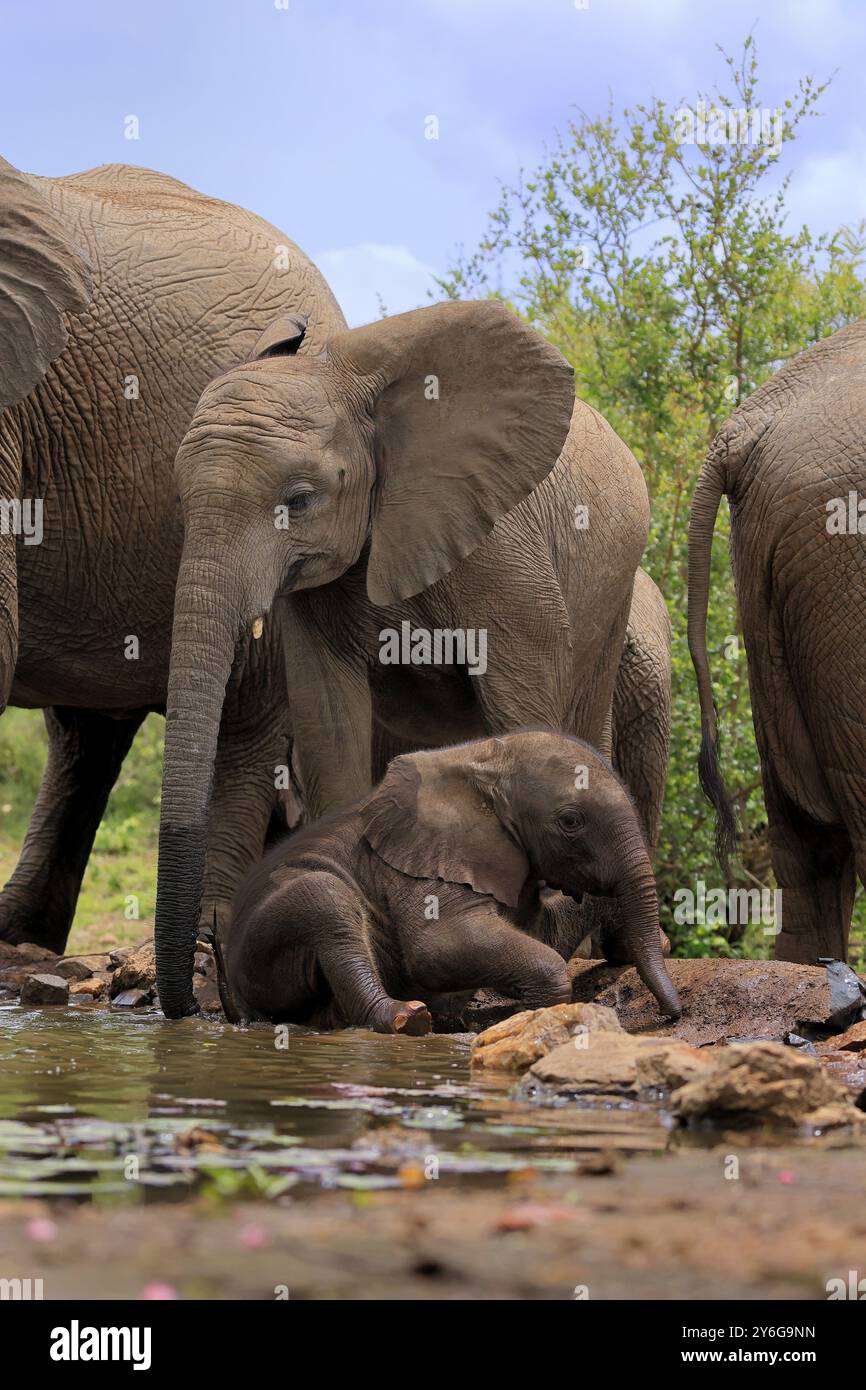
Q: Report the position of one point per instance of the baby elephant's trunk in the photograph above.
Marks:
(640, 909)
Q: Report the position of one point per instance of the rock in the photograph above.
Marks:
(131, 999)
(203, 963)
(516, 1042)
(847, 993)
(136, 972)
(118, 956)
(835, 1116)
(853, 1040)
(597, 1165)
(723, 999)
(607, 1061)
(71, 968)
(45, 989)
(847, 1067)
(94, 985)
(485, 1008)
(28, 950)
(760, 1082)
(666, 1068)
(206, 993)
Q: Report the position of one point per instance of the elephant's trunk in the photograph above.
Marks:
(208, 615)
(637, 896)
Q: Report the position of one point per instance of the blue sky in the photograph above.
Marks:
(313, 115)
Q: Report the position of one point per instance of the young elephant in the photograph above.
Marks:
(429, 887)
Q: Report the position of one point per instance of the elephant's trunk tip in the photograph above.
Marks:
(669, 1002)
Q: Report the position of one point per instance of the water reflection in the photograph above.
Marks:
(88, 1096)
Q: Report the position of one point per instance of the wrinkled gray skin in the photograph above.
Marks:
(641, 745)
(642, 705)
(402, 457)
(165, 285)
(792, 447)
(378, 915)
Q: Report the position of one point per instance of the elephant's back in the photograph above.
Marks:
(183, 287)
(143, 227)
(590, 514)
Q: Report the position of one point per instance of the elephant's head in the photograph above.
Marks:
(535, 805)
(400, 446)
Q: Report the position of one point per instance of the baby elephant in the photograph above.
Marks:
(429, 887)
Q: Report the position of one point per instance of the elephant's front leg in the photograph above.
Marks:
(332, 717)
(85, 754)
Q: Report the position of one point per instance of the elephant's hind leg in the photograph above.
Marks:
(333, 919)
(85, 754)
(814, 869)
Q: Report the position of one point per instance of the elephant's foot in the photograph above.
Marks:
(412, 1018)
(19, 924)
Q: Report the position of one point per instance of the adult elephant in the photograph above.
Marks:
(792, 461)
(426, 475)
(165, 289)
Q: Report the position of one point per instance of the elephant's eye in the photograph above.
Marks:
(298, 502)
(571, 822)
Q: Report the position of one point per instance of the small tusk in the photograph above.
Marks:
(258, 628)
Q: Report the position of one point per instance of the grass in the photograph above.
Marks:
(121, 874)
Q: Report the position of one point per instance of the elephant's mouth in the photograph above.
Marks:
(576, 894)
(293, 572)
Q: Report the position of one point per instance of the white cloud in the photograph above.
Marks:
(358, 274)
(829, 189)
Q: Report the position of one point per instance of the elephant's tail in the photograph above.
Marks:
(711, 487)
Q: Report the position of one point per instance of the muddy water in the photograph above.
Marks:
(126, 1107)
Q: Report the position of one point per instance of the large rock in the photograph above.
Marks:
(615, 1063)
(45, 989)
(764, 1082)
(729, 999)
(136, 972)
(517, 1042)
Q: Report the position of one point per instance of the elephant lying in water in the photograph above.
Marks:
(428, 887)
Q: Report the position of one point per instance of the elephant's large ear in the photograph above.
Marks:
(43, 275)
(283, 337)
(472, 408)
(434, 815)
